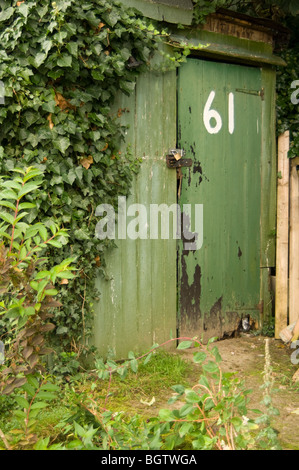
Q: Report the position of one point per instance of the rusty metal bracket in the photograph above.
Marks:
(260, 93)
(174, 164)
(174, 160)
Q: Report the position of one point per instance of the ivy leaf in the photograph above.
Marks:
(33, 139)
(60, 36)
(72, 47)
(80, 234)
(62, 144)
(6, 14)
(112, 17)
(24, 9)
(79, 173)
(61, 330)
(46, 45)
(71, 176)
(65, 61)
(39, 59)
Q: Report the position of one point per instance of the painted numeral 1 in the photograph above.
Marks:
(231, 113)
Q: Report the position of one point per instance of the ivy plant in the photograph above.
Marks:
(62, 64)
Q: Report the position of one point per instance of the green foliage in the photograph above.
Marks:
(267, 436)
(67, 364)
(274, 9)
(62, 65)
(212, 413)
(203, 8)
(288, 111)
(31, 399)
(26, 288)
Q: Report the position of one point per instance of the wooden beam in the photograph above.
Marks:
(294, 245)
(282, 247)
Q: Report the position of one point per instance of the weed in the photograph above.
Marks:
(210, 413)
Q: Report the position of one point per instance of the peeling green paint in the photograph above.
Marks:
(229, 155)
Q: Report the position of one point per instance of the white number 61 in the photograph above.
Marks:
(210, 114)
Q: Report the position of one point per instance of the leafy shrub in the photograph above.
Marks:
(27, 291)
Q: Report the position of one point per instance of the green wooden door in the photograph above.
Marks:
(219, 127)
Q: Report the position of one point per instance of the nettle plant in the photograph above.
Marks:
(27, 290)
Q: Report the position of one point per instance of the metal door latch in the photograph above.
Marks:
(260, 93)
(175, 159)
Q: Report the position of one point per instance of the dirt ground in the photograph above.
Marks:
(246, 356)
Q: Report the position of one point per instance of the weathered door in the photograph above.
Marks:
(219, 127)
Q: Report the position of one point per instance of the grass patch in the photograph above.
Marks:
(130, 395)
(152, 380)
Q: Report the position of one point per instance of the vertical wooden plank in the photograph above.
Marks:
(268, 170)
(137, 304)
(267, 298)
(294, 246)
(268, 191)
(282, 255)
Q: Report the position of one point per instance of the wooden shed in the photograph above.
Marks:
(217, 113)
